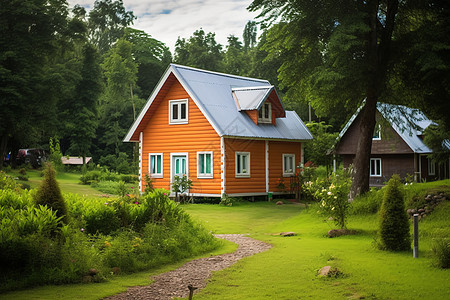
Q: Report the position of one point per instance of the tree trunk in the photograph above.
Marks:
(3, 144)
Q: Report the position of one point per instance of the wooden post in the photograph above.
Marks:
(191, 291)
(416, 236)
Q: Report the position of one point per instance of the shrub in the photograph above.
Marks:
(394, 225)
(441, 251)
(368, 203)
(50, 195)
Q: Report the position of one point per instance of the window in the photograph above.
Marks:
(242, 164)
(375, 167)
(178, 111)
(431, 167)
(204, 165)
(155, 167)
(377, 133)
(288, 164)
(265, 113)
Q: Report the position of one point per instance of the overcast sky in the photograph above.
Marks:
(166, 20)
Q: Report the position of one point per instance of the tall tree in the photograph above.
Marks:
(235, 60)
(200, 50)
(107, 21)
(31, 34)
(153, 58)
(249, 35)
(338, 55)
(82, 123)
(117, 105)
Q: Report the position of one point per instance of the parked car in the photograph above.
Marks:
(35, 157)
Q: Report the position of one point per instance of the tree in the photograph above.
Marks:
(32, 33)
(339, 55)
(249, 35)
(117, 104)
(107, 21)
(316, 150)
(200, 50)
(394, 224)
(83, 122)
(234, 58)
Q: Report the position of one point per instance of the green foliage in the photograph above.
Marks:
(317, 149)
(226, 200)
(55, 154)
(148, 184)
(441, 250)
(181, 185)
(49, 194)
(394, 225)
(367, 204)
(334, 200)
(98, 175)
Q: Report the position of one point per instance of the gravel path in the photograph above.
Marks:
(175, 283)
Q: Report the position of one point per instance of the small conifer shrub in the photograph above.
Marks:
(394, 225)
(49, 194)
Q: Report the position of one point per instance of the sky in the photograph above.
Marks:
(166, 20)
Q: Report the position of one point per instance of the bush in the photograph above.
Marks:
(50, 195)
(394, 225)
(368, 203)
(441, 251)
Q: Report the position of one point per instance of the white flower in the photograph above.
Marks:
(329, 193)
(335, 197)
(332, 208)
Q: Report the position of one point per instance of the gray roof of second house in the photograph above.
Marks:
(409, 123)
(213, 94)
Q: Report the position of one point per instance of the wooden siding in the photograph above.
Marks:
(256, 183)
(390, 143)
(276, 151)
(197, 135)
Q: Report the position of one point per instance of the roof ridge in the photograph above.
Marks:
(218, 73)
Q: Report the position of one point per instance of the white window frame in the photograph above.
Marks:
(262, 111)
(288, 174)
(373, 172)
(238, 156)
(155, 175)
(205, 175)
(378, 138)
(178, 103)
(431, 167)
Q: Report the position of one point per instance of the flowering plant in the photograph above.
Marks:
(281, 186)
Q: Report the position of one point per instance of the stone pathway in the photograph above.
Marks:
(175, 283)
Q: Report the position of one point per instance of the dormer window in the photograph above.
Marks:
(265, 113)
(377, 133)
(178, 111)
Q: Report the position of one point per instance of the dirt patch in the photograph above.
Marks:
(175, 283)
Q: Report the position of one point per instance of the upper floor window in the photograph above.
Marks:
(204, 165)
(242, 164)
(178, 111)
(265, 113)
(377, 132)
(288, 164)
(155, 165)
(375, 167)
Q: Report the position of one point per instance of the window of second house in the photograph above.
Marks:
(265, 113)
(204, 165)
(178, 111)
(375, 167)
(288, 164)
(242, 164)
(377, 133)
(155, 166)
(431, 167)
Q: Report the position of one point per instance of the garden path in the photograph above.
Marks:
(175, 283)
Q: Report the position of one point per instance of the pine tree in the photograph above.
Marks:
(394, 225)
(49, 194)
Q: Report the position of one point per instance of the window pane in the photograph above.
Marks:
(238, 160)
(372, 167)
(177, 166)
(290, 158)
(183, 161)
(378, 162)
(152, 164)
(208, 163)
(266, 111)
(201, 161)
(244, 163)
(175, 111)
(183, 111)
(260, 113)
(158, 164)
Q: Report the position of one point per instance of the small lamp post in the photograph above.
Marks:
(416, 236)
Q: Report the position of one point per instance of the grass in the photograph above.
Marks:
(288, 270)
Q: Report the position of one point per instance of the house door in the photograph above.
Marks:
(179, 167)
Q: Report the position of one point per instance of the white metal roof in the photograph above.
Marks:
(250, 98)
(213, 94)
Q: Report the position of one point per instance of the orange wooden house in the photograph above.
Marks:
(228, 134)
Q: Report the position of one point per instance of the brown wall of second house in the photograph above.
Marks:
(390, 142)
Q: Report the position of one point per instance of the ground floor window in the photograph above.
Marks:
(431, 167)
(204, 165)
(288, 164)
(155, 165)
(242, 164)
(375, 167)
